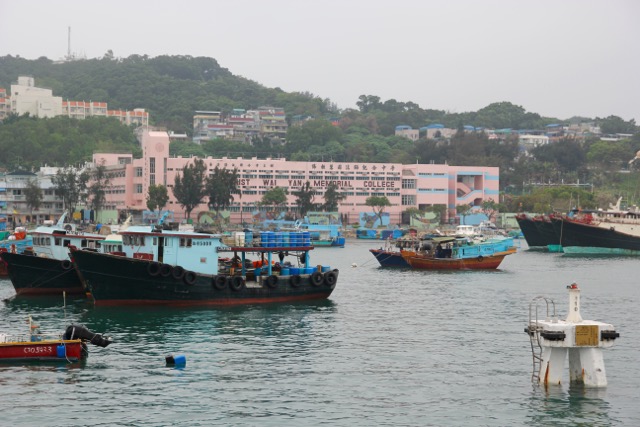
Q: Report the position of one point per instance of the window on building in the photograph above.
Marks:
(408, 200)
(138, 172)
(408, 183)
(139, 188)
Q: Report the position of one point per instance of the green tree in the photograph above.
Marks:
(189, 188)
(304, 199)
(33, 195)
(378, 203)
(222, 184)
(276, 197)
(157, 197)
(463, 211)
(71, 186)
(98, 188)
(331, 198)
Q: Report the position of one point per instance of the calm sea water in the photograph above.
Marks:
(389, 348)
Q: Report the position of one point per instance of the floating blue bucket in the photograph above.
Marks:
(61, 351)
(177, 360)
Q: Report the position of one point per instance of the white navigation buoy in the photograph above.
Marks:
(583, 341)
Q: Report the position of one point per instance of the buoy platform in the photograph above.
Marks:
(582, 340)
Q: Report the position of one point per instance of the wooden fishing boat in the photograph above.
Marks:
(448, 253)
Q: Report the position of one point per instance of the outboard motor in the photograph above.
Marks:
(75, 332)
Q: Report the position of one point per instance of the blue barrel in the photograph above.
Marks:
(177, 360)
(258, 271)
(264, 239)
(286, 239)
(248, 237)
(284, 272)
(306, 238)
(61, 351)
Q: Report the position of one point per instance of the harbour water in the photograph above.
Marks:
(389, 348)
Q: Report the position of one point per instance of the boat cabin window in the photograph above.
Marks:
(133, 240)
(168, 242)
(185, 242)
(66, 242)
(155, 241)
(83, 243)
(58, 241)
(42, 241)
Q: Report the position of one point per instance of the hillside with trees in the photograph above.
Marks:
(172, 88)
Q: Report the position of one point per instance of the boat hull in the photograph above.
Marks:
(426, 262)
(116, 280)
(72, 351)
(33, 275)
(389, 258)
(530, 231)
(545, 229)
(580, 238)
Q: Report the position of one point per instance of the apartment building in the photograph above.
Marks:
(25, 97)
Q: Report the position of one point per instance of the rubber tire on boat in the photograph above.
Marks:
(219, 282)
(480, 258)
(330, 278)
(178, 272)
(189, 277)
(153, 268)
(316, 278)
(236, 283)
(166, 270)
(272, 281)
(66, 264)
(295, 280)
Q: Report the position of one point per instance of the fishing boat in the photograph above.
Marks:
(70, 346)
(450, 253)
(172, 267)
(46, 269)
(615, 232)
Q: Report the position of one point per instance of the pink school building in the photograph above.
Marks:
(406, 186)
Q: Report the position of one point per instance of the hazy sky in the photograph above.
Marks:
(558, 58)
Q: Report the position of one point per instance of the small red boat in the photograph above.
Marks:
(34, 346)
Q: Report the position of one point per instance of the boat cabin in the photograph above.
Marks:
(197, 252)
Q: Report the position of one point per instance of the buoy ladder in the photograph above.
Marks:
(533, 330)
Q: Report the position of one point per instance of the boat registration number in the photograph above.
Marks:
(39, 349)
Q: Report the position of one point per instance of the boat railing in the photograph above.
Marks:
(34, 337)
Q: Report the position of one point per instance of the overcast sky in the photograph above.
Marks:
(558, 58)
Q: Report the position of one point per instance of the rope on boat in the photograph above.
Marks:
(33, 285)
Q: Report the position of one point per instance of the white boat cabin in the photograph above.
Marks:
(52, 241)
(197, 252)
